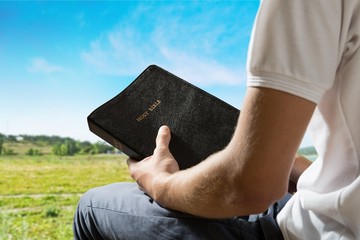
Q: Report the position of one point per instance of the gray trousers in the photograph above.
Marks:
(122, 211)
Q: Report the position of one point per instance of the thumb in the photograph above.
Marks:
(163, 137)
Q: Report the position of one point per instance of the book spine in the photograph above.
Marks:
(113, 141)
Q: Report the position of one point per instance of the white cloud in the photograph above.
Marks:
(41, 65)
(202, 71)
(196, 46)
(117, 54)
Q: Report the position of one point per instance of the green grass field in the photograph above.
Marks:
(38, 195)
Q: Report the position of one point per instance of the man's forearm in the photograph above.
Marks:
(210, 189)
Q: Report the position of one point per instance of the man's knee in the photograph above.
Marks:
(83, 224)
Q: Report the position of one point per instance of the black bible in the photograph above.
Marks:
(201, 124)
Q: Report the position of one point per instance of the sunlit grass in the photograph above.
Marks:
(38, 195)
(52, 174)
(20, 148)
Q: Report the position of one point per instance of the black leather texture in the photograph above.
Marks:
(201, 124)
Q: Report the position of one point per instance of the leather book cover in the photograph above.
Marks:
(201, 124)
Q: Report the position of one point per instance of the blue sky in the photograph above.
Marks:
(59, 60)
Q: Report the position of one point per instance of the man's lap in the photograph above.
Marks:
(122, 211)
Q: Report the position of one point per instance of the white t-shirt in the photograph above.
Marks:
(310, 48)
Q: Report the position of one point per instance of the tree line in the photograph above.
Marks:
(61, 146)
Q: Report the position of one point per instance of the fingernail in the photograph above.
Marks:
(162, 129)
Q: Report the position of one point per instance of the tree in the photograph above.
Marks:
(68, 148)
(33, 152)
(71, 148)
(100, 147)
(56, 149)
(2, 137)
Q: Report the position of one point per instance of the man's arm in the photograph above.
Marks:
(247, 176)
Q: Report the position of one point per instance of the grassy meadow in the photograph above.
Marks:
(39, 194)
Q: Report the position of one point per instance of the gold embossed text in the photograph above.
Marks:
(149, 109)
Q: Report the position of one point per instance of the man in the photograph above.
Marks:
(303, 63)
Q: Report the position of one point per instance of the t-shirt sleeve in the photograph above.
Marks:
(295, 47)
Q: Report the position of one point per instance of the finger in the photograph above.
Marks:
(163, 137)
(132, 166)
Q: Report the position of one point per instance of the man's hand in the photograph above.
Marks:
(300, 165)
(151, 172)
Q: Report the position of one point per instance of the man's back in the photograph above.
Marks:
(329, 191)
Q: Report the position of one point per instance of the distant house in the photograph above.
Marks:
(19, 138)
